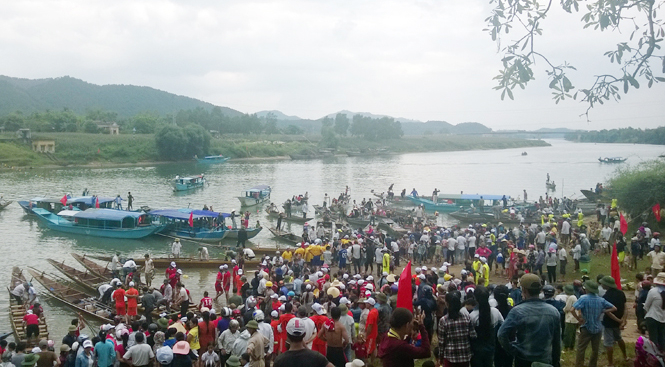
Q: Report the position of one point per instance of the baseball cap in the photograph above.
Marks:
(296, 327)
(531, 282)
(371, 301)
(87, 344)
(164, 355)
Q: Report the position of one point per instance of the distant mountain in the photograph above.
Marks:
(279, 115)
(350, 115)
(34, 95)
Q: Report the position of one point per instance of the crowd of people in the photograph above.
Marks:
(499, 298)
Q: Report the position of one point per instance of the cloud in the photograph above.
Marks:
(421, 59)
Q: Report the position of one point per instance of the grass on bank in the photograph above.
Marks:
(19, 155)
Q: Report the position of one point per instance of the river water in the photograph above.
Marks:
(25, 242)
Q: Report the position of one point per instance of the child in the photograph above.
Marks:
(646, 352)
(360, 347)
(244, 360)
(210, 358)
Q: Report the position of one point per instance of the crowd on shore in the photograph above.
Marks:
(337, 302)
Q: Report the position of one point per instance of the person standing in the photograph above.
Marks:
(130, 200)
(118, 202)
(355, 253)
(655, 311)
(455, 332)
(334, 334)
(588, 311)
(551, 261)
(570, 331)
(563, 260)
(86, 358)
(256, 345)
(657, 259)
(532, 330)
(140, 354)
(242, 237)
(396, 349)
(105, 352)
(612, 329)
(299, 355)
(175, 248)
(149, 269)
(114, 264)
(132, 301)
(148, 301)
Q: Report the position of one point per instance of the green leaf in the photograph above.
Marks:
(553, 83)
(567, 85)
(510, 93)
(503, 94)
(633, 82)
(625, 85)
(660, 79)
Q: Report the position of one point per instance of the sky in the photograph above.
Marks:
(417, 59)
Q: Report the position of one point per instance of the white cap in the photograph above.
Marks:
(476, 255)
(370, 278)
(483, 259)
(357, 276)
(258, 315)
(87, 344)
(424, 268)
(282, 298)
(371, 301)
(240, 271)
(221, 267)
(369, 286)
(385, 273)
(296, 327)
(422, 276)
(418, 270)
(179, 271)
(344, 301)
(361, 282)
(308, 286)
(274, 296)
(173, 264)
(318, 309)
(434, 269)
(274, 314)
(319, 274)
(345, 276)
(233, 261)
(342, 287)
(352, 282)
(355, 363)
(131, 284)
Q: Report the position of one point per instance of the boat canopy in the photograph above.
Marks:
(106, 214)
(68, 213)
(46, 200)
(258, 188)
(213, 157)
(89, 200)
(184, 213)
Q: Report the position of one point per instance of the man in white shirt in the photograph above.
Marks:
(452, 244)
(565, 232)
(355, 253)
(114, 264)
(471, 241)
(657, 259)
(563, 260)
(310, 327)
(461, 246)
(140, 354)
(175, 248)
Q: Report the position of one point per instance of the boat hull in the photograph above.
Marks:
(251, 233)
(287, 237)
(52, 222)
(183, 187)
(197, 235)
(247, 201)
(212, 160)
(430, 205)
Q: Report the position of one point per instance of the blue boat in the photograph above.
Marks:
(100, 222)
(453, 202)
(188, 183)
(212, 159)
(255, 196)
(87, 202)
(208, 226)
(49, 204)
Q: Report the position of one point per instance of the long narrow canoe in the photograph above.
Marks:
(85, 279)
(78, 300)
(17, 311)
(357, 222)
(184, 263)
(294, 219)
(285, 236)
(93, 267)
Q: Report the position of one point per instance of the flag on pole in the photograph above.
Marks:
(64, 200)
(616, 272)
(656, 211)
(623, 224)
(404, 295)
(191, 219)
(97, 202)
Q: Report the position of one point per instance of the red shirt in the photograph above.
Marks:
(170, 272)
(119, 297)
(283, 321)
(132, 302)
(372, 326)
(319, 320)
(226, 280)
(206, 302)
(31, 319)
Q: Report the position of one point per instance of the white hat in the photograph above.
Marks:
(296, 327)
(183, 319)
(205, 309)
(274, 296)
(325, 270)
(424, 268)
(370, 278)
(361, 282)
(221, 267)
(131, 284)
(212, 311)
(240, 272)
(282, 308)
(274, 314)
(87, 344)
(352, 282)
(355, 363)
(179, 271)
(258, 315)
(344, 301)
(385, 273)
(369, 286)
(173, 264)
(36, 350)
(418, 270)
(483, 259)
(434, 269)
(345, 276)
(476, 255)
(319, 274)
(164, 355)
(308, 286)
(282, 298)
(446, 264)
(342, 287)
(357, 276)
(422, 276)
(371, 301)
(233, 261)
(318, 309)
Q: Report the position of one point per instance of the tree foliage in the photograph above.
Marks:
(341, 124)
(381, 128)
(627, 135)
(638, 56)
(638, 188)
(171, 143)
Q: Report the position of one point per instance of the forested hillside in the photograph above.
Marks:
(627, 135)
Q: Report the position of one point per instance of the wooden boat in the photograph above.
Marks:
(251, 233)
(472, 217)
(293, 219)
(255, 195)
(212, 159)
(188, 263)
(100, 223)
(286, 236)
(392, 228)
(17, 311)
(85, 279)
(207, 226)
(592, 196)
(5, 203)
(612, 160)
(87, 202)
(78, 300)
(188, 183)
(93, 267)
(357, 222)
(550, 186)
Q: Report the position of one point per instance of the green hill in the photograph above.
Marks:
(37, 95)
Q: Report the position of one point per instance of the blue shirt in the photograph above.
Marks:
(82, 360)
(223, 324)
(105, 352)
(592, 307)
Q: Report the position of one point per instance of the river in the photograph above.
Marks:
(573, 166)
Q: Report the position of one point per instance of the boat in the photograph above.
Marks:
(212, 159)
(100, 223)
(5, 203)
(357, 222)
(273, 213)
(453, 202)
(550, 186)
(593, 196)
(286, 236)
(251, 232)
(323, 153)
(87, 202)
(85, 279)
(188, 183)
(612, 160)
(93, 267)
(49, 204)
(255, 195)
(467, 216)
(188, 263)
(207, 226)
(392, 228)
(17, 311)
(78, 300)
(524, 153)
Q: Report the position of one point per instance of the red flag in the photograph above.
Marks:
(656, 211)
(623, 224)
(404, 295)
(191, 219)
(616, 273)
(97, 202)
(64, 200)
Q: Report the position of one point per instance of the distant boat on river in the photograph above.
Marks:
(255, 195)
(188, 183)
(212, 159)
(612, 160)
(206, 226)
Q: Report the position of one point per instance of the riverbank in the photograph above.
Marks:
(98, 150)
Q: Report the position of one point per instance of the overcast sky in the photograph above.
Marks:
(419, 59)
